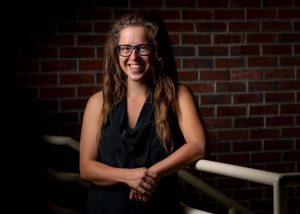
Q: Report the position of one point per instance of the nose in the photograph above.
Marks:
(133, 54)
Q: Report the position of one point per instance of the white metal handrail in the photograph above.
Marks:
(277, 180)
(75, 177)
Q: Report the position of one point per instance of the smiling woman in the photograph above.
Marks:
(141, 128)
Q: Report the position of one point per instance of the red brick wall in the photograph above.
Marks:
(241, 58)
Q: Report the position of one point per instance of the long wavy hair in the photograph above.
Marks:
(162, 83)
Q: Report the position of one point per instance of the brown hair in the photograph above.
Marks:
(162, 83)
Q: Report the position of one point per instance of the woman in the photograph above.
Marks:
(141, 129)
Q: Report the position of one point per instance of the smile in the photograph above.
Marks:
(135, 66)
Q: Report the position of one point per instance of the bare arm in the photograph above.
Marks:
(193, 131)
(140, 179)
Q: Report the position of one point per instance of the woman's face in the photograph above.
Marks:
(137, 66)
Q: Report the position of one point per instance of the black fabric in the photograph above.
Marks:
(130, 148)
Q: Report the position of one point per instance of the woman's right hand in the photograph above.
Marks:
(142, 182)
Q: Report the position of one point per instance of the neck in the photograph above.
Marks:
(136, 89)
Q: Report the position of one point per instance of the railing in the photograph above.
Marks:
(277, 180)
(75, 177)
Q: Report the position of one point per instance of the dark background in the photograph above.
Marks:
(240, 58)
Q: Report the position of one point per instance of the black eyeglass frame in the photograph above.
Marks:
(137, 49)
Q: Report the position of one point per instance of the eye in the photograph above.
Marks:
(125, 48)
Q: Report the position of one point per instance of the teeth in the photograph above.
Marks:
(135, 66)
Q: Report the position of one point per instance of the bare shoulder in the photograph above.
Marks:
(183, 92)
(95, 103)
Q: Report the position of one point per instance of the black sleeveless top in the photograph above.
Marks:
(124, 147)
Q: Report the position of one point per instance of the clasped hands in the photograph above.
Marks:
(143, 183)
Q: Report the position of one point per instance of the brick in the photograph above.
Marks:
(87, 91)
(195, 39)
(245, 50)
(90, 65)
(277, 50)
(290, 132)
(279, 73)
(262, 61)
(146, 4)
(279, 144)
(215, 99)
(167, 14)
(78, 79)
(245, 26)
(179, 3)
(246, 194)
(240, 134)
(95, 14)
(201, 87)
(281, 167)
(291, 156)
(207, 111)
(288, 37)
(218, 148)
(196, 15)
(246, 75)
(277, 3)
(289, 13)
(102, 27)
(181, 27)
(230, 183)
(56, 40)
(276, 26)
(266, 157)
(229, 63)
(247, 4)
(260, 14)
(263, 86)
(231, 111)
(247, 146)
(264, 109)
(211, 27)
(247, 98)
(289, 61)
(212, 3)
(267, 133)
(279, 121)
(59, 65)
(55, 92)
(279, 97)
(238, 159)
(218, 123)
(197, 63)
(290, 85)
(231, 86)
(232, 14)
(183, 51)
(213, 51)
(261, 38)
(227, 38)
(73, 104)
(67, 27)
(214, 75)
(77, 52)
(187, 75)
(248, 122)
(91, 40)
(290, 108)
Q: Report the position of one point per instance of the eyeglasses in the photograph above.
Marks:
(142, 49)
